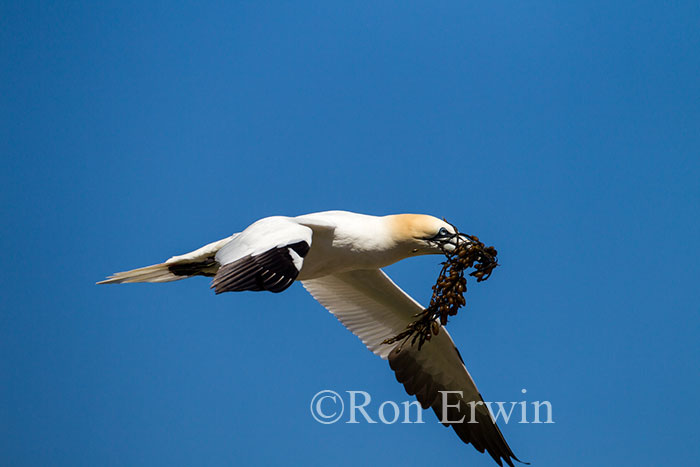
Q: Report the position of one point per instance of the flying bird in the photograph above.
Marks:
(338, 256)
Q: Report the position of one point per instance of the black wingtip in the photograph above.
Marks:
(510, 456)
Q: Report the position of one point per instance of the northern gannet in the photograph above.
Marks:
(338, 256)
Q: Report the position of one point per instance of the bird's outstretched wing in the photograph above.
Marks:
(367, 302)
(268, 255)
(374, 308)
(438, 378)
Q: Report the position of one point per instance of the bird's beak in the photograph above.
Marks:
(454, 241)
(450, 242)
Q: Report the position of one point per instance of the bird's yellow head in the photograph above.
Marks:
(422, 234)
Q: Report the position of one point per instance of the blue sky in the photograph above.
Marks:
(567, 135)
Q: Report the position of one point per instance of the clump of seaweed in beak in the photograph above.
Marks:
(450, 287)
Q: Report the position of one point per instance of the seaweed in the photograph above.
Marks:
(450, 287)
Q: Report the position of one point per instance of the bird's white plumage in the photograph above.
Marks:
(368, 303)
(201, 253)
(161, 272)
(262, 236)
(337, 256)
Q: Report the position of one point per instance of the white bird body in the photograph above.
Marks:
(338, 256)
(345, 241)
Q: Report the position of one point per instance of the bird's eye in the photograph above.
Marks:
(440, 235)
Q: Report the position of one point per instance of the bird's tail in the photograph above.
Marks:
(201, 262)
